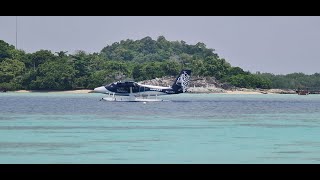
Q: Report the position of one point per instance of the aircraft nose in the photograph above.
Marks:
(101, 89)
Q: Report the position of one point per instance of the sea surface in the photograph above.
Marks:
(190, 128)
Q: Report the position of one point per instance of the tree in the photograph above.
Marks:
(139, 59)
(97, 78)
(5, 50)
(250, 81)
(54, 75)
(10, 68)
(11, 72)
(41, 57)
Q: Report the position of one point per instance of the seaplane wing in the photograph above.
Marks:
(127, 88)
(154, 87)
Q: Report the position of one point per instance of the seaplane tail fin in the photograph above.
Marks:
(181, 84)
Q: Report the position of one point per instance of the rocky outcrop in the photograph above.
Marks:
(267, 91)
(205, 90)
(281, 91)
(197, 84)
(164, 81)
(211, 85)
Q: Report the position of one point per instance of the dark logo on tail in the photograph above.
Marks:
(183, 81)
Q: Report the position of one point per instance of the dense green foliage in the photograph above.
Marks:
(139, 60)
(293, 80)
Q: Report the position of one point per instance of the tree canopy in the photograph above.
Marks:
(135, 59)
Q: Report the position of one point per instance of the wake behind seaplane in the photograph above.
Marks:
(131, 88)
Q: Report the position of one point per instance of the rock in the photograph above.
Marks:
(281, 91)
(197, 84)
(205, 90)
(211, 85)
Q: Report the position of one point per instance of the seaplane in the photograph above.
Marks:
(138, 92)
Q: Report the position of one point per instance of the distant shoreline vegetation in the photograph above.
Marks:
(134, 59)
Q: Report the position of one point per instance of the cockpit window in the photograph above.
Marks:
(109, 85)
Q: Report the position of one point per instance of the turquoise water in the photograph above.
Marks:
(203, 128)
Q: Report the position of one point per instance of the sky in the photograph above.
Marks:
(275, 44)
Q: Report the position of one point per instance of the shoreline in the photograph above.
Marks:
(243, 92)
(81, 91)
(233, 92)
(85, 91)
